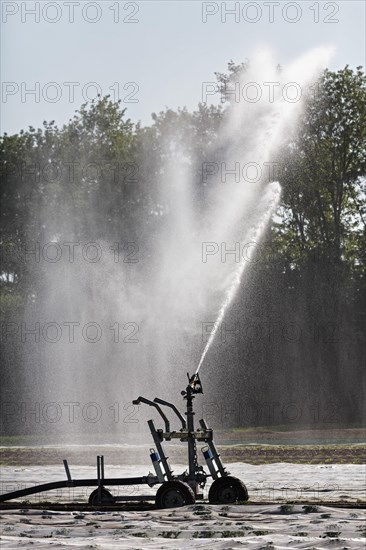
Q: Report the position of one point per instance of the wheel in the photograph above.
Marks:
(106, 497)
(172, 494)
(227, 490)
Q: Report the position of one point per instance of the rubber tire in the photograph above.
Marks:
(107, 497)
(173, 494)
(227, 490)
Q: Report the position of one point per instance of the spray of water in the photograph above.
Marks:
(149, 314)
(269, 202)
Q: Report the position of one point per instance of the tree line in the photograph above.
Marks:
(99, 176)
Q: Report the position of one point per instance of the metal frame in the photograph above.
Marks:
(196, 477)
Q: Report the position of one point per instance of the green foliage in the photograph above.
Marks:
(323, 210)
(79, 172)
(99, 174)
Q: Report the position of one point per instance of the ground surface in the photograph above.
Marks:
(198, 526)
(349, 453)
(270, 520)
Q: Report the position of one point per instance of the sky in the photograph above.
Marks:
(153, 54)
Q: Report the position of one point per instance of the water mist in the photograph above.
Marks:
(160, 302)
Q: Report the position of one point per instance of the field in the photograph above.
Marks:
(301, 496)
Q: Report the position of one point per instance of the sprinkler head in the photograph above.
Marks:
(195, 383)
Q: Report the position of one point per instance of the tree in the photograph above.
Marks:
(324, 184)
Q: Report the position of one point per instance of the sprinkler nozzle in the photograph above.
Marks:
(195, 383)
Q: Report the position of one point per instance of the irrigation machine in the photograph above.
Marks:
(174, 490)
